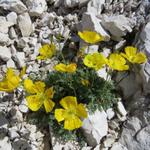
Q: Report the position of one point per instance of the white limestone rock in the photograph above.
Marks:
(25, 24)
(5, 144)
(5, 53)
(11, 64)
(58, 144)
(4, 39)
(13, 5)
(36, 7)
(12, 17)
(110, 139)
(118, 146)
(12, 33)
(95, 127)
(71, 3)
(20, 59)
(95, 6)
(110, 113)
(103, 73)
(13, 134)
(91, 22)
(117, 25)
(4, 25)
(121, 109)
(23, 106)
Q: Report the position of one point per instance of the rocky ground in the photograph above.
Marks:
(27, 24)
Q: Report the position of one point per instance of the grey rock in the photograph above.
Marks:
(13, 5)
(128, 83)
(5, 53)
(83, 2)
(93, 129)
(131, 137)
(36, 7)
(3, 121)
(143, 137)
(21, 144)
(16, 115)
(91, 22)
(117, 25)
(142, 41)
(25, 24)
(22, 42)
(12, 17)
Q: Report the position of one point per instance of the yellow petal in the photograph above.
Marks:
(47, 51)
(140, 58)
(95, 60)
(4, 87)
(90, 37)
(49, 93)
(10, 73)
(117, 62)
(130, 51)
(39, 86)
(29, 86)
(68, 102)
(10, 82)
(81, 111)
(13, 83)
(60, 67)
(72, 123)
(34, 102)
(71, 68)
(59, 114)
(49, 105)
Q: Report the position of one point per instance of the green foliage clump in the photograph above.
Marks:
(97, 93)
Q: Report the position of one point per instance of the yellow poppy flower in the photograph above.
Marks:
(95, 60)
(90, 37)
(47, 51)
(117, 62)
(10, 82)
(39, 96)
(132, 56)
(71, 68)
(71, 113)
